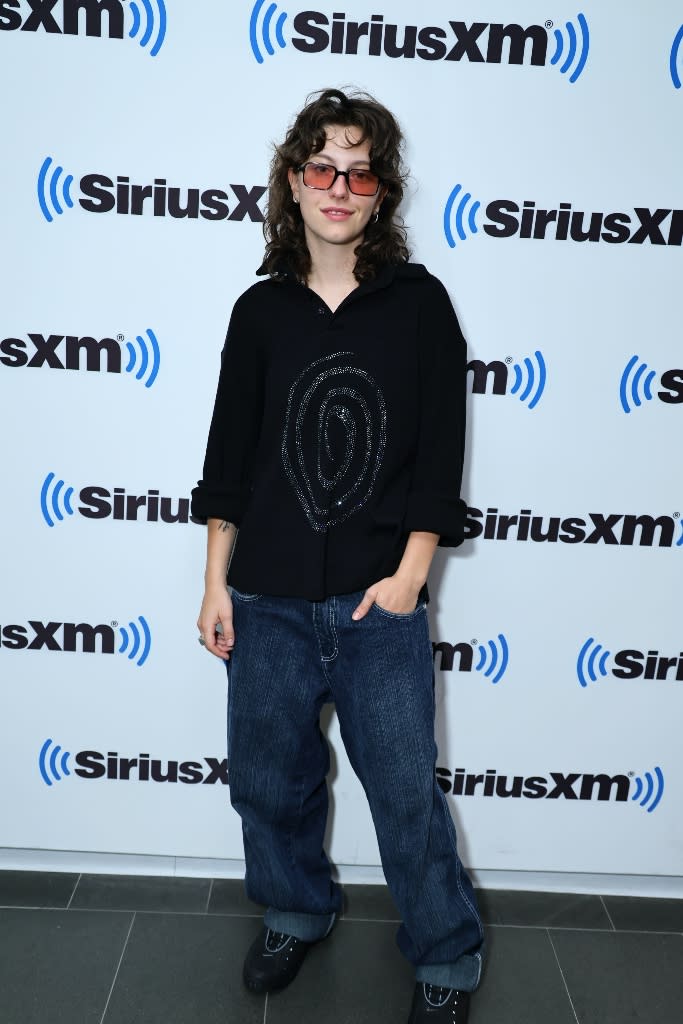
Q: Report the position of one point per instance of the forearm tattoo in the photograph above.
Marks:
(224, 526)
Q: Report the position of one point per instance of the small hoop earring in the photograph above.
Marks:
(376, 217)
(296, 199)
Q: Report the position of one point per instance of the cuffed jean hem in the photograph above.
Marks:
(307, 927)
(464, 974)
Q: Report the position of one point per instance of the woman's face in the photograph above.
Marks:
(336, 216)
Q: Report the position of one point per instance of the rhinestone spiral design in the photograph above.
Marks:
(334, 438)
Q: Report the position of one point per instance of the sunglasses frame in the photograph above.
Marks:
(338, 174)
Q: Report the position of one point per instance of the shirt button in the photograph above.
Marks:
(322, 310)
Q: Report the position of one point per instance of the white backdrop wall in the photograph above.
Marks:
(558, 672)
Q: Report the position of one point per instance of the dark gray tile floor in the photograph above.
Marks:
(103, 949)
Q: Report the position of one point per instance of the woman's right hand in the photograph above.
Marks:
(217, 609)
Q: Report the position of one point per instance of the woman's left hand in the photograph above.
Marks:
(393, 593)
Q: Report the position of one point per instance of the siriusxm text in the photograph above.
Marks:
(41, 16)
(152, 507)
(554, 786)
(478, 42)
(633, 664)
(100, 194)
(62, 352)
(614, 528)
(658, 227)
(58, 636)
(95, 765)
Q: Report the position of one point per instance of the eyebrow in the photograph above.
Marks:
(324, 156)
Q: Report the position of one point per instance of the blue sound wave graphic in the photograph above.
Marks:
(673, 58)
(591, 653)
(265, 29)
(679, 542)
(139, 640)
(146, 357)
(49, 769)
(650, 792)
(155, 20)
(493, 658)
(458, 218)
(636, 384)
(55, 502)
(572, 45)
(535, 380)
(49, 192)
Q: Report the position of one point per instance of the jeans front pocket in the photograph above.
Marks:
(421, 605)
(241, 596)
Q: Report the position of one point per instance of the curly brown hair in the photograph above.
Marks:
(385, 239)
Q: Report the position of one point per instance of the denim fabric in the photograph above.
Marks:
(291, 656)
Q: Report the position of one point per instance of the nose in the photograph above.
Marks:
(339, 187)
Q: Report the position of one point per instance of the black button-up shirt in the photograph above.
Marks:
(334, 435)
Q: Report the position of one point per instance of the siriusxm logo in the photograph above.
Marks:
(263, 27)
(56, 503)
(478, 42)
(647, 791)
(100, 194)
(615, 528)
(134, 640)
(529, 378)
(492, 657)
(53, 764)
(592, 664)
(145, 21)
(71, 352)
(636, 385)
(505, 218)
(676, 59)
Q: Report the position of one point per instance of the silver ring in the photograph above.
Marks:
(202, 641)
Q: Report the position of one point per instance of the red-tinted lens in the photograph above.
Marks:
(362, 182)
(318, 175)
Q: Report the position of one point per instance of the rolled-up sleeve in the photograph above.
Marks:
(434, 502)
(224, 487)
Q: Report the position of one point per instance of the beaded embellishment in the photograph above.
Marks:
(334, 438)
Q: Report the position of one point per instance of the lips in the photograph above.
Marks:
(336, 213)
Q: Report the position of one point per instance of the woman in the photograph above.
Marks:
(336, 450)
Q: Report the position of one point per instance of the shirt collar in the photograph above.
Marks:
(386, 276)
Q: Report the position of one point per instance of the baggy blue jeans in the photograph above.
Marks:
(291, 656)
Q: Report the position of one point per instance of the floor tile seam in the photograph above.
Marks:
(73, 892)
(118, 968)
(609, 916)
(618, 931)
(30, 906)
(72, 910)
(153, 910)
(544, 927)
(357, 920)
(235, 913)
(580, 928)
(130, 910)
(564, 980)
(175, 913)
(200, 913)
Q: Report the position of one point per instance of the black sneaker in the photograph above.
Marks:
(433, 1004)
(273, 961)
